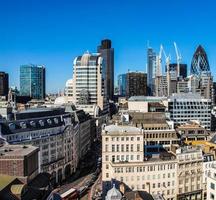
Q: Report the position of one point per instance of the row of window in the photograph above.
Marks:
(123, 138)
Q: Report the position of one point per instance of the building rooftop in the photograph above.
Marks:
(122, 129)
(133, 195)
(16, 150)
(190, 124)
(147, 98)
(183, 96)
(5, 180)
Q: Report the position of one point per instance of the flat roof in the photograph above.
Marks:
(147, 98)
(16, 150)
(122, 129)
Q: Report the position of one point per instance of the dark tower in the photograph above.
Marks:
(4, 84)
(107, 52)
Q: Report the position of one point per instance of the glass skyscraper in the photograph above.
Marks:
(122, 84)
(199, 62)
(151, 68)
(32, 81)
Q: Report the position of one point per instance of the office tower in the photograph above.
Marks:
(161, 86)
(88, 81)
(32, 81)
(136, 84)
(151, 69)
(122, 84)
(187, 107)
(4, 85)
(107, 52)
(199, 61)
(182, 72)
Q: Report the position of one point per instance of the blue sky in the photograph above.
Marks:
(54, 32)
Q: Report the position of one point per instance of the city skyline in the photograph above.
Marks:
(54, 34)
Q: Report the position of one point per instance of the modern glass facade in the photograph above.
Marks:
(151, 69)
(122, 84)
(200, 61)
(32, 81)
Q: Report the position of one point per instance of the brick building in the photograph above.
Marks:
(19, 161)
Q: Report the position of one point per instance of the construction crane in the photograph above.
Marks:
(178, 59)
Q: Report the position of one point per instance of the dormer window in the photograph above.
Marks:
(49, 121)
(12, 126)
(23, 124)
(56, 120)
(32, 123)
(41, 122)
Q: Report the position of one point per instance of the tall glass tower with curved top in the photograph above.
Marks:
(199, 62)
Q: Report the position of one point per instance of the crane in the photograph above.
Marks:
(178, 58)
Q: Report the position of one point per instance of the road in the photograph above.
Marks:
(86, 171)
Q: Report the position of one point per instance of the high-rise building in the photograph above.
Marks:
(107, 52)
(4, 85)
(122, 84)
(136, 84)
(88, 81)
(182, 72)
(199, 61)
(32, 81)
(151, 69)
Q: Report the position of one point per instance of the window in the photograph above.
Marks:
(132, 139)
(122, 148)
(113, 148)
(212, 196)
(138, 157)
(107, 139)
(131, 157)
(107, 166)
(107, 175)
(127, 147)
(212, 186)
(138, 147)
(117, 148)
(131, 147)
(107, 158)
(138, 138)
